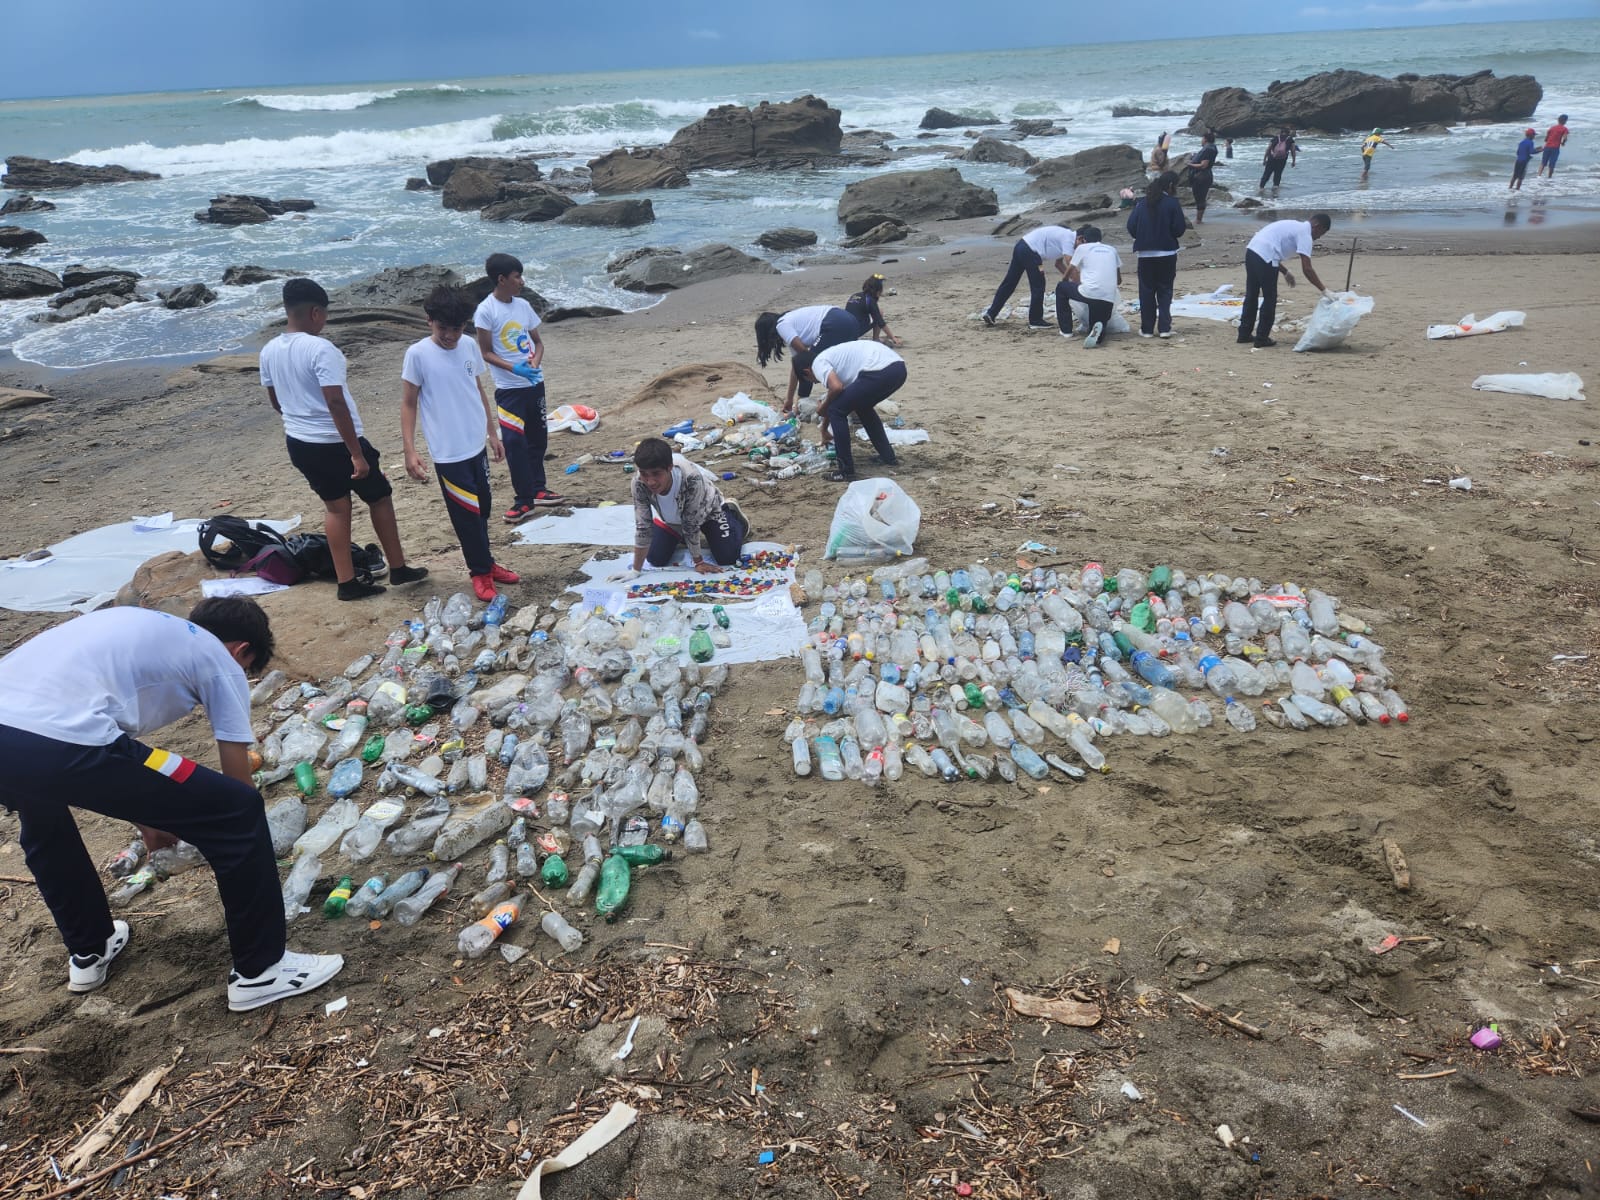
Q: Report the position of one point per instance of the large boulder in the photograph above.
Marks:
(14, 238)
(468, 188)
(240, 209)
(77, 275)
(636, 171)
(578, 312)
(394, 286)
(244, 276)
(618, 214)
(937, 194)
(526, 204)
(1074, 180)
(37, 174)
(25, 204)
(190, 295)
(939, 118)
(787, 134)
(169, 582)
(111, 284)
(1036, 127)
(653, 269)
(1340, 100)
(84, 306)
(993, 150)
(19, 281)
(523, 169)
(787, 238)
(1133, 110)
(879, 235)
(569, 179)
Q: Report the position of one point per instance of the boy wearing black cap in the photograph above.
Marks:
(304, 375)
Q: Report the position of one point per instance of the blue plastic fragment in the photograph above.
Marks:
(767, 1156)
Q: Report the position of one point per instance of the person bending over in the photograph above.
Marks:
(858, 377)
(1092, 279)
(864, 307)
(75, 702)
(813, 328)
(1048, 243)
(1264, 261)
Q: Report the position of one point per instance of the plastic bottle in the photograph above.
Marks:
(334, 905)
(558, 927)
(1394, 706)
(129, 859)
(1292, 714)
(1239, 715)
(802, 756)
(409, 910)
(345, 779)
(616, 877)
(360, 904)
(468, 829)
(1318, 711)
(1027, 758)
(341, 815)
(1081, 740)
(1173, 709)
(302, 877)
(407, 885)
(694, 836)
(830, 763)
(554, 873)
(492, 895)
(476, 939)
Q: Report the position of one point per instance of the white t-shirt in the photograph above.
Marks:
(297, 366)
(122, 670)
(803, 323)
(667, 505)
(1281, 240)
(510, 324)
(1051, 241)
(850, 360)
(1097, 265)
(450, 404)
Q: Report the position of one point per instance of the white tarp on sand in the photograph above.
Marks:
(612, 526)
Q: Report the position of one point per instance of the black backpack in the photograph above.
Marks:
(242, 540)
(310, 551)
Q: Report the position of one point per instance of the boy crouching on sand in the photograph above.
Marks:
(443, 380)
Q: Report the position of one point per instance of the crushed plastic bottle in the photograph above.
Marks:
(409, 910)
(476, 939)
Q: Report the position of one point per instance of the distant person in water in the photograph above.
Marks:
(1227, 148)
(815, 328)
(1524, 154)
(1554, 138)
(864, 307)
(1200, 177)
(1369, 147)
(1281, 152)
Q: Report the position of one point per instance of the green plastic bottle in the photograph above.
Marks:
(700, 648)
(1143, 617)
(554, 872)
(721, 615)
(1160, 581)
(419, 714)
(1124, 643)
(615, 879)
(646, 855)
(973, 694)
(333, 906)
(373, 750)
(305, 778)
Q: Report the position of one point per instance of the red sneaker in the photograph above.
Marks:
(483, 587)
(502, 575)
(518, 513)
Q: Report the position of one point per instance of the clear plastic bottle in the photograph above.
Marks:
(407, 885)
(830, 763)
(557, 926)
(409, 910)
(1239, 715)
(341, 815)
(802, 756)
(469, 829)
(1394, 706)
(694, 836)
(494, 894)
(1320, 712)
(302, 878)
(286, 821)
(363, 838)
(476, 939)
(499, 863)
(1173, 709)
(1027, 758)
(1292, 714)
(346, 777)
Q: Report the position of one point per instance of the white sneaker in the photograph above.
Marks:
(1068, 335)
(1142, 333)
(1093, 340)
(1035, 328)
(294, 975)
(1167, 334)
(85, 972)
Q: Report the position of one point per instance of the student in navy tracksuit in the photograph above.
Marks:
(1156, 223)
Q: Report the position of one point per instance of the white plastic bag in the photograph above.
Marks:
(1080, 319)
(576, 417)
(898, 437)
(874, 519)
(739, 407)
(1333, 320)
(1470, 326)
(1549, 384)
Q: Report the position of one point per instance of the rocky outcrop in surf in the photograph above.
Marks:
(38, 174)
(937, 194)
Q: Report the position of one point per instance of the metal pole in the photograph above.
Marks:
(1350, 270)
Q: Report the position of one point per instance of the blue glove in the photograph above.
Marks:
(529, 372)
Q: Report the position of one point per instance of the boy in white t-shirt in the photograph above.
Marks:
(508, 338)
(1092, 279)
(304, 375)
(443, 383)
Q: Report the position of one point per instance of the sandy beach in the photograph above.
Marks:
(828, 982)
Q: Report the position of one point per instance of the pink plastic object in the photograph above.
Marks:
(1486, 1039)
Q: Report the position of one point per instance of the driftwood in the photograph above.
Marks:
(1064, 1012)
(106, 1130)
(1397, 864)
(1206, 1010)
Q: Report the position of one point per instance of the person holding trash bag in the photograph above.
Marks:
(1264, 262)
(858, 377)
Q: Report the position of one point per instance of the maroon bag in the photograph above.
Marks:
(276, 565)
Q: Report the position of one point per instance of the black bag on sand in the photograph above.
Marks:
(310, 551)
(242, 541)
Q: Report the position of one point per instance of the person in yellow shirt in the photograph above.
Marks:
(1369, 147)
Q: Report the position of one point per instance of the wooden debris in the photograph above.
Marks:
(106, 1130)
(1206, 1010)
(1112, 946)
(1427, 1074)
(1397, 864)
(1064, 1012)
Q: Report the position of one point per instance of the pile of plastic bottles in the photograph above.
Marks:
(974, 673)
(608, 711)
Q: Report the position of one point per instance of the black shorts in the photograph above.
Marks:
(326, 466)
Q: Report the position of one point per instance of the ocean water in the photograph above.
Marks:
(351, 147)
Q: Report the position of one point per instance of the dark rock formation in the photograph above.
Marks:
(243, 276)
(25, 204)
(787, 238)
(116, 284)
(19, 281)
(570, 179)
(237, 209)
(525, 202)
(523, 169)
(37, 174)
(636, 171)
(77, 275)
(879, 235)
(939, 118)
(416, 183)
(577, 312)
(190, 295)
(993, 150)
(619, 214)
(1133, 110)
(14, 238)
(790, 133)
(1338, 100)
(482, 286)
(1036, 127)
(1082, 180)
(654, 269)
(468, 188)
(938, 194)
(394, 286)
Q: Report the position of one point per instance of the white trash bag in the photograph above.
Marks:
(1080, 319)
(1333, 320)
(577, 418)
(1470, 326)
(1549, 384)
(739, 407)
(874, 519)
(898, 437)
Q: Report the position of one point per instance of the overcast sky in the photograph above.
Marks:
(78, 47)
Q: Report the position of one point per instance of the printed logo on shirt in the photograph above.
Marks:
(514, 341)
(174, 766)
